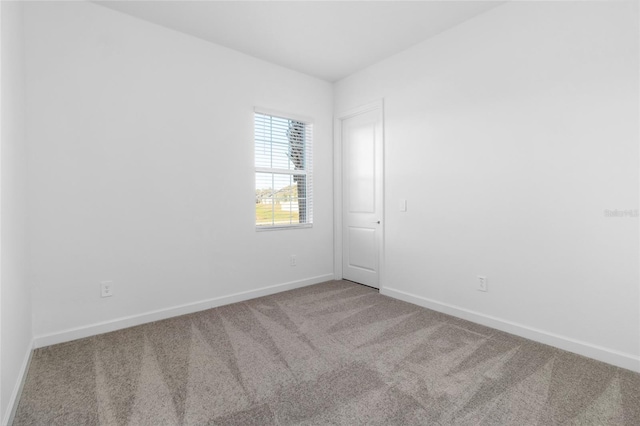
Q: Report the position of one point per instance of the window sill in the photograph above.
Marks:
(283, 227)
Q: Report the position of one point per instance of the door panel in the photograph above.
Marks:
(362, 197)
(362, 253)
(361, 169)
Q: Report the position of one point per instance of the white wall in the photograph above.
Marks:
(510, 135)
(140, 141)
(15, 307)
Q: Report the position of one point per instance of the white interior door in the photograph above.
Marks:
(362, 204)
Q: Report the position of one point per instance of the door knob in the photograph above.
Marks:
(378, 222)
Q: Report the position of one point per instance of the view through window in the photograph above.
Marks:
(283, 172)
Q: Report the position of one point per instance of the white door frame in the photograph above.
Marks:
(337, 187)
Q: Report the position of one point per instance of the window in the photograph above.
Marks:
(283, 172)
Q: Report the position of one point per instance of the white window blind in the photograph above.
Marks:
(283, 166)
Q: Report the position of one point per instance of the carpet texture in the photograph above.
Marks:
(334, 353)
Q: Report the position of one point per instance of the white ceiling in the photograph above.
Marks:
(326, 39)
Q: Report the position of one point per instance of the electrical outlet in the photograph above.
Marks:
(292, 260)
(106, 289)
(482, 283)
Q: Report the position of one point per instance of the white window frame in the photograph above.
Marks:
(308, 171)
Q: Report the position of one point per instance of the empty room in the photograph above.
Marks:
(319, 212)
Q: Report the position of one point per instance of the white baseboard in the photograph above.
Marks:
(12, 406)
(610, 356)
(160, 314)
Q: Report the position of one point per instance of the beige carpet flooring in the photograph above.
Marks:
(330, 354)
